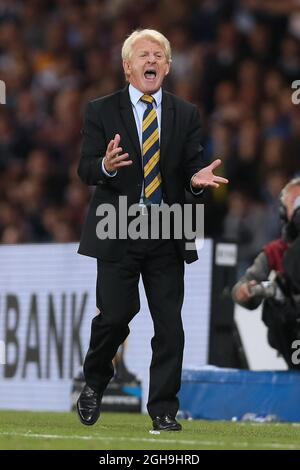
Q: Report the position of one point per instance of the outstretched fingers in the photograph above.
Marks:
(116, 140)
(122, 160)
(215, 164)
(220, 179)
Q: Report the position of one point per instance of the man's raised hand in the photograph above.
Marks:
(205, 177)
(114, 158)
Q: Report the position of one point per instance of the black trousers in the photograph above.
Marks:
(162, 271)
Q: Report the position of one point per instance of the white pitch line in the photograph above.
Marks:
(101, 438)
(143, 439)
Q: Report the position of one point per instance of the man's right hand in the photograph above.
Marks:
(242, 293)
(113, 160)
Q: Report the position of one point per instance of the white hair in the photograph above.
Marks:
(150, 34)
(291, 184)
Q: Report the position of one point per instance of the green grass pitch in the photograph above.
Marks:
(41, 430)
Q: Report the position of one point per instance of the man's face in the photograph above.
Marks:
(147, 66)
(290, 198)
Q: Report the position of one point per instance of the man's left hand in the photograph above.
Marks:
(205, 177)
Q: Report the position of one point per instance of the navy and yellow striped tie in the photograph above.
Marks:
(151, 154)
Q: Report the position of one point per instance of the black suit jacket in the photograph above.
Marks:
(180, 158)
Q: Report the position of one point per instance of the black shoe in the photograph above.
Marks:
(166, 423)
(88, 406)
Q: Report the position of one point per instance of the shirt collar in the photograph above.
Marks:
(135, 95)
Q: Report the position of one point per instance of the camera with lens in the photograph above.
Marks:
(267, 290)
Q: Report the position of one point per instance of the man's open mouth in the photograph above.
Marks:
(150, 74)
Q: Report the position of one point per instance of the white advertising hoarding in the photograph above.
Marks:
(47, 301)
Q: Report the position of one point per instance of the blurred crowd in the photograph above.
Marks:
(235, 59)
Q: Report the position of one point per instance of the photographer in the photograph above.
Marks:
(281, 296)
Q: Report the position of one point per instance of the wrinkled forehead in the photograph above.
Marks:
(147, 45)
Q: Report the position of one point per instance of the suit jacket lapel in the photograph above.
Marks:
(167, 116)
(129, 122)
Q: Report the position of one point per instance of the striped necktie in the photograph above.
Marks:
(151, 153)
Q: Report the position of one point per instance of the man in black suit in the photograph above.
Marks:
(159, 159)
